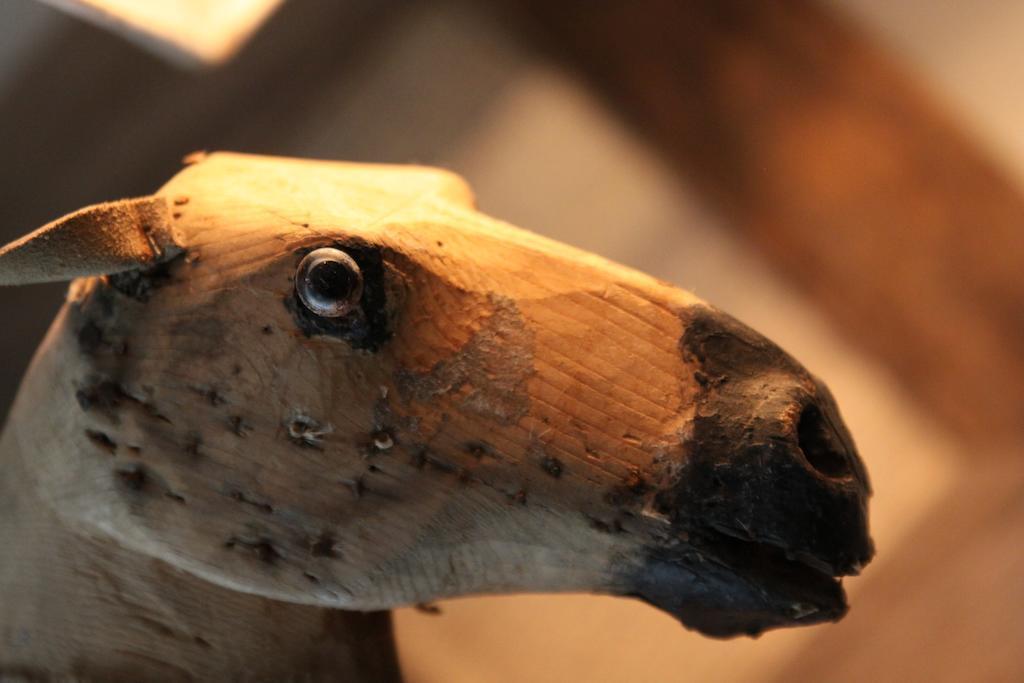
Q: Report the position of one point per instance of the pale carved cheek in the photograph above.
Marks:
(181, 422)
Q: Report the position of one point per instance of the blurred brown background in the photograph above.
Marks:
(846, 175)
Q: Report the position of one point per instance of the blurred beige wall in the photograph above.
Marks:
(970, 55)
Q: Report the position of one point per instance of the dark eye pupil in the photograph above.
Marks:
(329, 282)
(332, 280)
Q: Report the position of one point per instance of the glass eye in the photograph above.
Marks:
(329, 282)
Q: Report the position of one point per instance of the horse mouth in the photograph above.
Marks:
(723, 586)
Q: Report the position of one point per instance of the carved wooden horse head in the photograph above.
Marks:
(340, 385)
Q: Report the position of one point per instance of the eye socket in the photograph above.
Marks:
(329, 282)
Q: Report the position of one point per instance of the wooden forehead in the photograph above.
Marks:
(403, 205)
(303, 190)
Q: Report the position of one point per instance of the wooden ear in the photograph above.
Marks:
(98, 240)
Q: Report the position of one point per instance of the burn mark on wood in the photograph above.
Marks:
(132, 477)
(419, 457)
(748, 479)
(705, 381)
(631, 491)
(488, 374)
(263, 549)
(367, 327)
(240, 497)
(481, 449)
(266, 552)
(103, 396)
(238, 426)
(193, 444)
(106, 397)
(101, 440)
(157, 627)
(552, 466)
(612, 527)
(438, 464)
(635, 482)
(359, 487)
(743, 495)
(140, 284)
(324, 546)
(210, 394)
(92, 340)
(90, 337)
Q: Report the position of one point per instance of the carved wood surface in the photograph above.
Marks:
(503, 413)
(77, 606)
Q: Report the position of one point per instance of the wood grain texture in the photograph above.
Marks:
(501, 413)
(476, 327)
(826, 152)
(79, 607)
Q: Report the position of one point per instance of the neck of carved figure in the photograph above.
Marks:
(73, 605)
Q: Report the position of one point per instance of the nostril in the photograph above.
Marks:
(818, 443)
